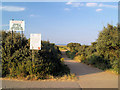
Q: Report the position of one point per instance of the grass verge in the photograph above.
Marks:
(69, 77)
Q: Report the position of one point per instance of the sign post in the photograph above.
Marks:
(35, 43)
(17, 26)
(12, 36)
(33, 55)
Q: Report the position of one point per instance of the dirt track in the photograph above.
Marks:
(90, 77)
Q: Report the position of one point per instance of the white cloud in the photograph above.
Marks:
(33, 15)
(96, 5)
(98, 10)
(108, 6)
(75, 4)
(12, 8)
(91, 4)
(66, 9)
(68, 3)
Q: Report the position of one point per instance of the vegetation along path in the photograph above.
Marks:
(90, 77)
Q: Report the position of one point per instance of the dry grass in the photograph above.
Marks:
(111, 71)
(77, 58)
(63, 48)
(70, 77)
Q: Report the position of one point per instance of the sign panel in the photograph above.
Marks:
(35, 41)
(17, 25)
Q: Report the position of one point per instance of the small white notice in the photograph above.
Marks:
(35, 41)
(17, 25)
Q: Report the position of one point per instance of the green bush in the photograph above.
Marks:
(108, 45)
(73, 46)
(80, 58)
(17, 58)
(104, 53)
(98, 61)
(71, 54)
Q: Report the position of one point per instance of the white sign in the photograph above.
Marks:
(17, 25)
(35, 41)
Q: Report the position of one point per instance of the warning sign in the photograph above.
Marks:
(17, 25)
(35, 41)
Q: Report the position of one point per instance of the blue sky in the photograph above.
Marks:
(62, 22)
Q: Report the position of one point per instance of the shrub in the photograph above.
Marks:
(62, 59)
(104, 53)
(99, 62)
(80, 58)
(73, 46)
(71, 54)
(17, 58)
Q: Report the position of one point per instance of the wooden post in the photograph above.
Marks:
(22, 42)
(33, 56)
(12, 32)
(12, 42)
(22, 37)
(12, 36)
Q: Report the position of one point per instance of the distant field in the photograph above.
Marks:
(63, 47)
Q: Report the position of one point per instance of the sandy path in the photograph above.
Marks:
(90, 77)
(39, 84)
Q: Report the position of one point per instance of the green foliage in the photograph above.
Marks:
(108, 45)
(63, 47)
(82, 50)
(98, 61)
(0, 54)
(73, 49)
(71, 54)
(80, 58)
(73, 46)
(17, 58)
(104, 53)
(62, 59)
